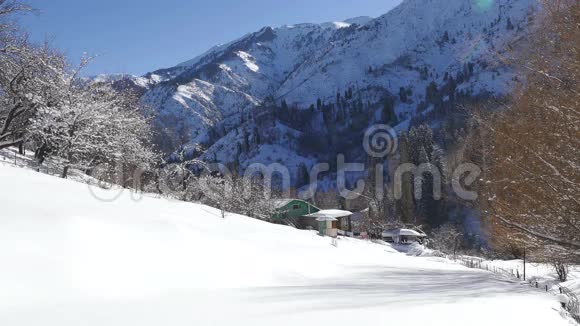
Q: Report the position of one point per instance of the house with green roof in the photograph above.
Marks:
(293, 212)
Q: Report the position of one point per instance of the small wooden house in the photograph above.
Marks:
(330, 221)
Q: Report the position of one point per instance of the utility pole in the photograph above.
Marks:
(524, 263)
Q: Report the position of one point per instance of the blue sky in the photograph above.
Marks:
(138, 36)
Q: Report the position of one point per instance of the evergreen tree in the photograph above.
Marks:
(423, 150)
(403, 95)
(406, 205)
(388, 114)
(257, 139)
(246, 144)
(420, 137)
(349, 93)
(424, 73)
(431, 93)
(509, 26)
(359, 106)
(303, 177)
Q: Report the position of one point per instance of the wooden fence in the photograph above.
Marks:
(573, 304)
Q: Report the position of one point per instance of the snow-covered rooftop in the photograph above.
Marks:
(279, 203)
(404, 232)
(330, 213)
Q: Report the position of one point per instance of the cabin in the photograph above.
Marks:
(331, 222)
(403, 236)
(303, 215)
(293, 211)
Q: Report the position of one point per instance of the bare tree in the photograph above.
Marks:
(558, 258)
(447, 238)
(8, 10)
(30, 77)
(10, 7)
(561, 270)
(179, 179)
(532, 172)
(92, 124)
(19, 63)
(234, 194)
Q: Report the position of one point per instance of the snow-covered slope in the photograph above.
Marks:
(439, 35)
(246, 71)
(455, 44)
(75, 256)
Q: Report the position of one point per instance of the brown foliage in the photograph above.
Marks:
(532, 179)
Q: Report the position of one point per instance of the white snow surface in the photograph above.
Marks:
(69, 258)
(536, 272)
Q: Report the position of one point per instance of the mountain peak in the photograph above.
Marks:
(361, 20)
(332, 72)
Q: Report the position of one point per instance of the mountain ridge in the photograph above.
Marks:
(394, 57)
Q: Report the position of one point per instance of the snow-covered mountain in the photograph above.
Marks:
(213, 102)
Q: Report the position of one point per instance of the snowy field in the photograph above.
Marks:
(70, 259)
(535, 272)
